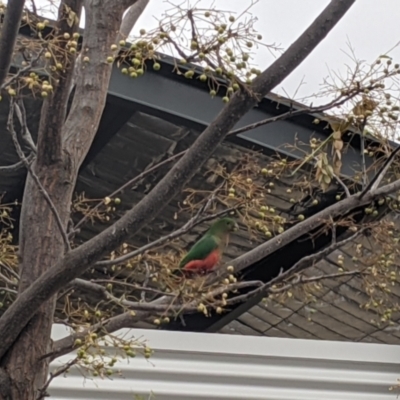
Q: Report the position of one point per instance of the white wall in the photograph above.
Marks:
(197, 366)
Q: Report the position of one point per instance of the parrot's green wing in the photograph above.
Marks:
(200, 250)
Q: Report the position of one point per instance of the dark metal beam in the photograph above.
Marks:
(188, 103)
(115, 116)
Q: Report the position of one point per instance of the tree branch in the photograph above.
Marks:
(42, 392)
(142, 311)
(343, 185)
(305, 262)
(126, 185)
(79, 260)
(21, 155)
(5, 384)
(9, 270)
(130, 285)
(381, 173)
(8, 36)
(26, 134)
(101, 27)
(131, 17)
(21, 71)
(52, 119)
(6, 169)
(128, 22)
(7, 280)
(300, 280)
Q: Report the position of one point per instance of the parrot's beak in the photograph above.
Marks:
(235, 227)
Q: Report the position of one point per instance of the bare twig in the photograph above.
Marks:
(9, 270)
(92, 286)
(6, 289)
(7, 280)
(131, 285)
(22, 70)
(362, 153)
(7, 169)
(300, 280)
(343, 185)
(126, 185)
(303, 110)
(21, 155)
(34, 8)
(59, 371)
(26, 134)
(145, 282)
(376, 180)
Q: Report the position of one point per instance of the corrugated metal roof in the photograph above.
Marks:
(198, 366)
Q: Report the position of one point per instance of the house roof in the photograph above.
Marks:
(336, 313)
(160, 114)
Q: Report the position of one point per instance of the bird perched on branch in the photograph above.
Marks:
(207, 251)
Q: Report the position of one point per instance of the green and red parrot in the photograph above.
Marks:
(207, 251)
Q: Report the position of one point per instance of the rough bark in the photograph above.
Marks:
(41, 245)
(80, 259)
(41, 242)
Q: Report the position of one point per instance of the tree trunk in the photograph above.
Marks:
(41, 246)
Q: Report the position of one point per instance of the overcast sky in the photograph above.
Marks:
(372, 27)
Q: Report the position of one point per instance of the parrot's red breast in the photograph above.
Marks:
(205, 265)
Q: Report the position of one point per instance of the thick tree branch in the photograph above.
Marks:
(128, 22)
(131, 17)
(8, 35)
(5, 384)
(52, 119)
(10, 127)
(307, 261)
(92, 79)
(80, 259)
